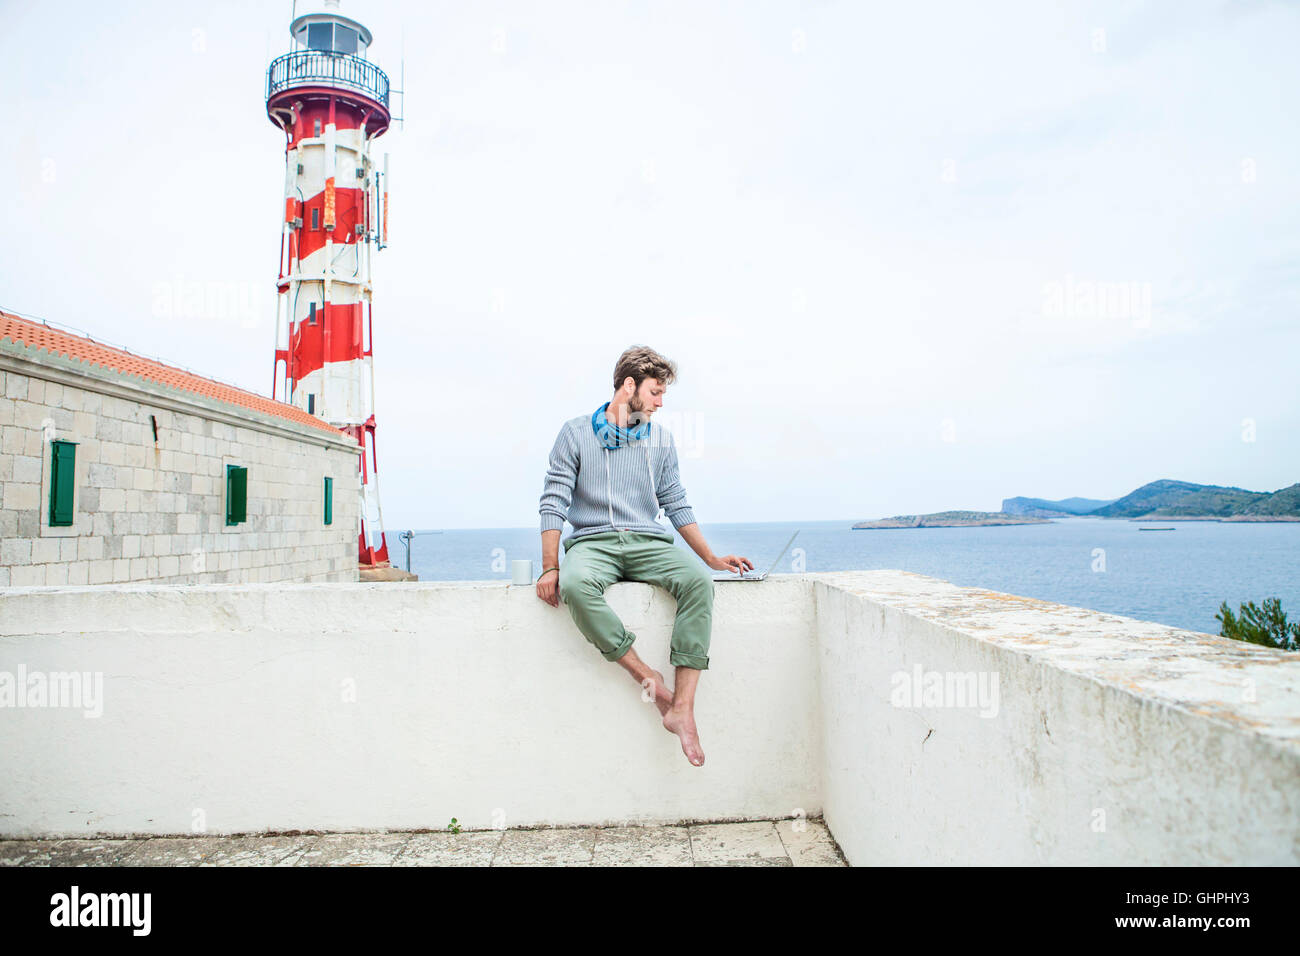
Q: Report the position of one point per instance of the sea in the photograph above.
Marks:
(1177, 577)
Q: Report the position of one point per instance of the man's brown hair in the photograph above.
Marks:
(642, 362)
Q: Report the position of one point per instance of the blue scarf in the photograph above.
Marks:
(612, 435)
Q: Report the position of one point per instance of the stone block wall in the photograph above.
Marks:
(153, 509)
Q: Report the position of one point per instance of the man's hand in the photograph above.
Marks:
(731, 562)
(548, 585)
(728, 562)
(548, 588)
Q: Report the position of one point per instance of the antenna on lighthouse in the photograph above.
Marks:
(384, 240)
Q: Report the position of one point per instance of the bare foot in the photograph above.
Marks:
(682, 723)
(655, 689)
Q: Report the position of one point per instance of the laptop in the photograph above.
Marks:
(755, 575)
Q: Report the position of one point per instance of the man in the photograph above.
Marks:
(611, 474)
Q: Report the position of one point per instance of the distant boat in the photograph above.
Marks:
(1157, 529)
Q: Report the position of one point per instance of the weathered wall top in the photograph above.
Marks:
(1240, 684)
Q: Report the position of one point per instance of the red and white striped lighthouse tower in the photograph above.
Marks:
(331, 101)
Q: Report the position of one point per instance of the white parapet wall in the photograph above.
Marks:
(965, 726)
(927, 723)
(395, 706)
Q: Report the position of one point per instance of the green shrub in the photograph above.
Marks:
(1267, 625)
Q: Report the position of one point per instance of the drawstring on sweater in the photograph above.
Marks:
(609, 486)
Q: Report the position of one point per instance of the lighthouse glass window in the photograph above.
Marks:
(345, 39)
(320, 36)
(332, 37)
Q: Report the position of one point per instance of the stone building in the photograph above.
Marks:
(117, 468)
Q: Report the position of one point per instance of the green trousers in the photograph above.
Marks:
(594, 562)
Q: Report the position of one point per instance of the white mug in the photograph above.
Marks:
(521, 572)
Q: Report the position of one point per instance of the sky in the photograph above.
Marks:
(907, 257)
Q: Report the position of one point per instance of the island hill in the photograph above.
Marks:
(1163, 500)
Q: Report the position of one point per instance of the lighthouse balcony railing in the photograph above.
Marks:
(311, 67)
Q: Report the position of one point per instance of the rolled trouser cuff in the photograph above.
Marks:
(697, 661)
(624, 646)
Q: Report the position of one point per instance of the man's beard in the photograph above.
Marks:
(636, 413)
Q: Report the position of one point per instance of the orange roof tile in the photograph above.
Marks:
(85, 349)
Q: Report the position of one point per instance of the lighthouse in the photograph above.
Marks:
(330, 102)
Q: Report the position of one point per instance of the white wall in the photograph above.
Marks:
(1114, 741)
(470, 698)
(480, 702)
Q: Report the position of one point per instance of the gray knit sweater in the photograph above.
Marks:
(608, 489)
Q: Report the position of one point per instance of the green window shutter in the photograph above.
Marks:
(63, 482)
(230, 494)
(241, 494)
(236, 494)
(329, 500)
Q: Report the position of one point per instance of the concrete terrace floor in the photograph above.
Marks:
(751, 843)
